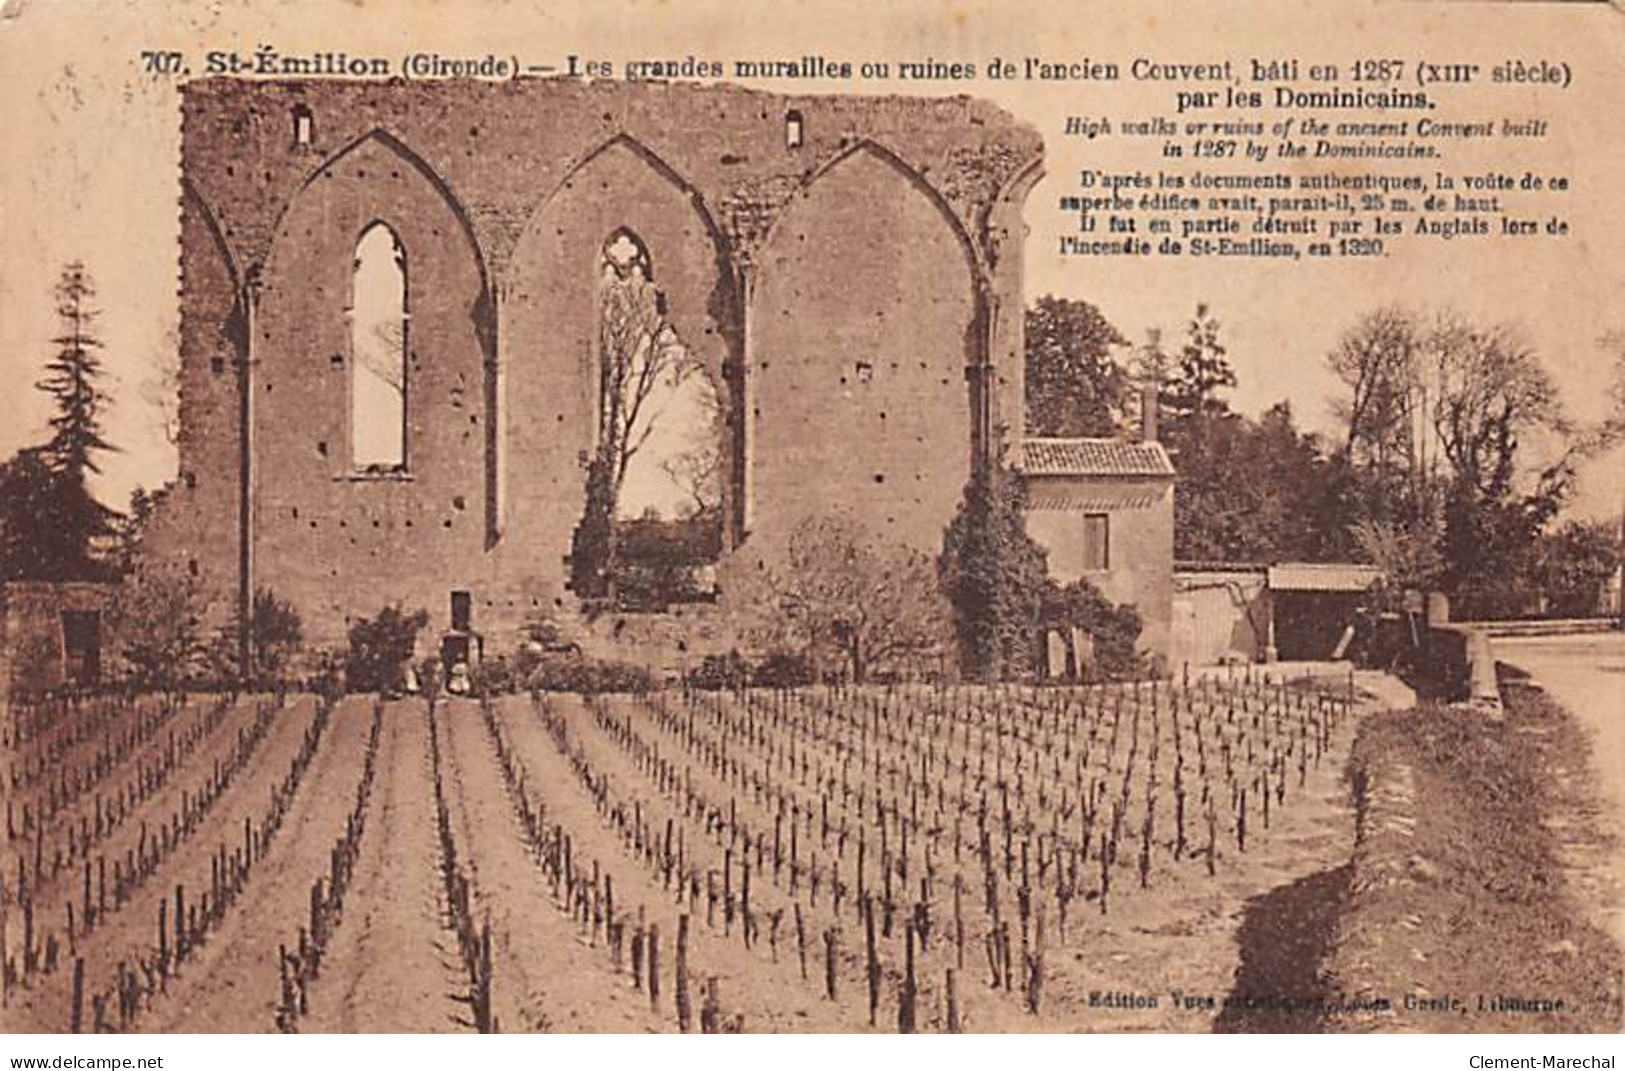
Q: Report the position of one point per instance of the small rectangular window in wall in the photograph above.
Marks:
(1096, 542)
(462, 611)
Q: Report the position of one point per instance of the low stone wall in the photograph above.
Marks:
(1443, 661)
(1468, 657)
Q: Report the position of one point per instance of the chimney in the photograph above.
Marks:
(1148, 413)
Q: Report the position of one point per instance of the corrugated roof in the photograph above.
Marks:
(1334, 576)
(1093, 457)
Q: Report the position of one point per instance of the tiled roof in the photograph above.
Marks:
(1093, 457)
(1307, 576)
(1063, 502)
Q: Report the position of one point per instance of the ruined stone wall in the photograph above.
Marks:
(889, 238)
(863, 330)
(31, 631)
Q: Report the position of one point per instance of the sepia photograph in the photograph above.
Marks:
(605, 519)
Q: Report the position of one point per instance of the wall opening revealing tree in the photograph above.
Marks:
(651, 527)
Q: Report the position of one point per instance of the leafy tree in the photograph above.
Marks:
(1573, 565)
(380, 646)
(1074, 386)
(1114, 630)
(842, 597)
(30, 521)
(994, 576)
(131, 529)
(156, 628)
(1257, 491)
(1490, 555)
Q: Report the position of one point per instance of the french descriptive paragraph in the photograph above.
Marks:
(1283, 159)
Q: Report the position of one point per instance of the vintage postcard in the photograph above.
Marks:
(634, 517)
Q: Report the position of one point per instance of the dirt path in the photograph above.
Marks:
(546, 975)
(231, 983)
(391, 967)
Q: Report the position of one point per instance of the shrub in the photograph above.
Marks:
(589, 676)
(379, 647)
(495, 675)
(718, 673)
(274, 633)
(1115, 630)
(850, 600)
(324, 672)
(784, 669)
(157, 628)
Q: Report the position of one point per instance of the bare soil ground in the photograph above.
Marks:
(146, 816)
(548, 977)
(1164, 959)
(1241, 949)
(231, 983)
(391, 966)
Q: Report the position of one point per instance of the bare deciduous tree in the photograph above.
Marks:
(1378, 360)
(698, 469)
(849, 599)
(1491, 389)
(639, 352)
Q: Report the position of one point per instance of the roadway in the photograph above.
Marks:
(1586, 673)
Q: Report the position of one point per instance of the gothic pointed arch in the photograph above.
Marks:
(380, 143)
(197, 210)
(867, 319)
(424, 489)
(869, 148)
(379, 341)
(550, 320)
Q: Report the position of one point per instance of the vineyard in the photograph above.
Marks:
(824, 859)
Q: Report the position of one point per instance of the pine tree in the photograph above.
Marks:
(1202, 371)
(72, 379)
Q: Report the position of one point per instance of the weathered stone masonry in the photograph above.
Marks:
(848, 268)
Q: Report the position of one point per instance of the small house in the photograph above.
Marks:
(1104, 510)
